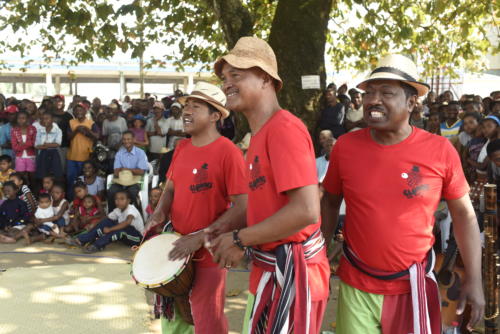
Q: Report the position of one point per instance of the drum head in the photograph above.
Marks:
(151, 266)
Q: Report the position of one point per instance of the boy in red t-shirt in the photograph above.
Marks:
(206, 176)
(290, 273)
(392, 177)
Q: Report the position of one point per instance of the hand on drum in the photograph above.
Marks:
(186, 245)
(214, 230)
(225, 252)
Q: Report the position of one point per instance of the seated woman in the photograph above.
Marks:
(96, 185)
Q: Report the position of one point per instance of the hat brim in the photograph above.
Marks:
(225, 113)
(421, 87)
(126, 183)
(246, 63)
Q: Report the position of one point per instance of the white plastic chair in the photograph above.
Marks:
(143, 192)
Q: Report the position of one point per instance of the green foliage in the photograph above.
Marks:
(446, 34)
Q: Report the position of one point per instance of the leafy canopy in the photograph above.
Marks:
(447, 34)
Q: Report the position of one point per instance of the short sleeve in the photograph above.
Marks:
(114, 215)
(292, 157)
(455, 184)
(58, 139)
(100, 184)
(142, 162)
(332, 181)
(124, 126)
(105, 127)
(165, 126)
(118, 163)
(149, 125)
(235, 172)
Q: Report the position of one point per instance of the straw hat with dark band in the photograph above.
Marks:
(210, 94)
(400, 68)
(251, 52)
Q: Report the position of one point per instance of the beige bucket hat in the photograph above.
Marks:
(126, 178)
(210, 94)
(251, 52)
(400, 68)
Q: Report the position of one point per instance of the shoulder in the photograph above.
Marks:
(284, 123)
(132, 210)
(353, 138)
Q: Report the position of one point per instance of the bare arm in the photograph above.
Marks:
(122, 225)
(330, 206)
(466, 232)
(233, 219)
(302, 210)
(162, 210)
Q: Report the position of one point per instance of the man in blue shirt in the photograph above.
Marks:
(128, 160)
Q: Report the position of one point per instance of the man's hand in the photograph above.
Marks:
(106, 230)
(214, 230)
(472, 293)
(225, 252)
(185, 246)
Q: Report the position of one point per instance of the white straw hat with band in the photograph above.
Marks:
(400, 68)
(210, 94)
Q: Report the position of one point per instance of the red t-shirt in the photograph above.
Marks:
(204, 178)
(281, 158)
(391, 194)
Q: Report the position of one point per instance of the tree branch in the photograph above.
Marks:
(234, 18)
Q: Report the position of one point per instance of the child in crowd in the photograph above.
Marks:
(24, 192)
(14, 215)
(77, 224)
(154, 198)
(47, 184)
(59, 203)
(5, 170)
(493, 150)
(124, 222)
(46, 219)
(490, 126)
(88, 214)
(434, 123)
(141, 139)
(23, 136)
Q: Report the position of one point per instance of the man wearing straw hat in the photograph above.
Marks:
(392, 176)
(206, 175)
(290, 272)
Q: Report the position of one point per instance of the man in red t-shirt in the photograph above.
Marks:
(290, 272)
(206, 175)
(392, 177)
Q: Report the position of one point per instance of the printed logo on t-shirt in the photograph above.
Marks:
(414, 181)
(257, 179)
(200, 179)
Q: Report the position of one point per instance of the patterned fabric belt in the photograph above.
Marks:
(284, 283)
(422, 283)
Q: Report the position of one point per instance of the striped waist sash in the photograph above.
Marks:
(424, 289)
(284, 284)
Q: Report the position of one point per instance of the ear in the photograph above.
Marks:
(411, 102)
(216, 117)
(267, 80)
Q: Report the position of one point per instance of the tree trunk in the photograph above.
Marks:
(298, 37)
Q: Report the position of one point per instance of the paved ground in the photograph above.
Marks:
(39, 254)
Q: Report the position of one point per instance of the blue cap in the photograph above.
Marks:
(493, 118)
(139, 116)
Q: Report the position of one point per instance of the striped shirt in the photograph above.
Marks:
(450, 131)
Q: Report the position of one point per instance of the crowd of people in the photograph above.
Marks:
(53, 185)
(269, 205)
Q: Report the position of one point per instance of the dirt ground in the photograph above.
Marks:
(39, 254)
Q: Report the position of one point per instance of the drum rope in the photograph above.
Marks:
(66, 254)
